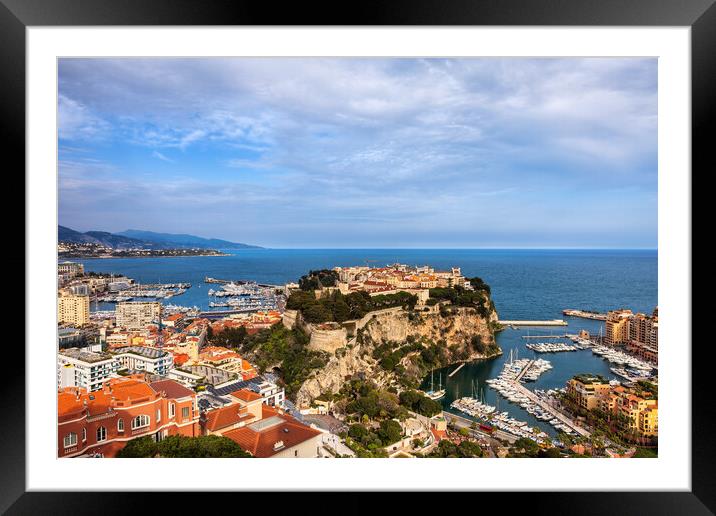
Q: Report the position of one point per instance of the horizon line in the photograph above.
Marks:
(260, 247)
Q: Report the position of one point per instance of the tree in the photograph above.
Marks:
(390, 431)
(181, 446)
(141, 447)
(469, 449)
(358, 432)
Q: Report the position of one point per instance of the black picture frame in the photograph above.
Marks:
(700, 15)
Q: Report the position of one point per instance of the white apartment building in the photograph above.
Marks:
(141, 358)
(136, 315)
(86, 369)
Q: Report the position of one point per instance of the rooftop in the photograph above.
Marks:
(274, 433)
(142, 351)
(172, 389)
(85, 356)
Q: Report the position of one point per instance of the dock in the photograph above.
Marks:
(544, 405)
(565, 336)
(549, 408)
(551, 322)
(456, 370)
(585, 314)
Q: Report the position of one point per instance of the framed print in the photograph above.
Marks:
(449, 234)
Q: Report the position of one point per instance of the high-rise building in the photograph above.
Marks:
(137, 315)
(617, 327)
(73, 309)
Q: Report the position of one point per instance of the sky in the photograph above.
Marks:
(363, 153)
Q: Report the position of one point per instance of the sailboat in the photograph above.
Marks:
(432, 393)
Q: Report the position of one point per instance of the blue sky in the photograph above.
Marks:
(311, 152)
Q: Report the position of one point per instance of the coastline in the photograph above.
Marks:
(106, 257)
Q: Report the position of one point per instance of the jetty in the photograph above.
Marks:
(585, 314)
(457, 369)
(565, 336)
(551, 322)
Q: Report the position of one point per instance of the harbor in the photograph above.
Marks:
(509, 386)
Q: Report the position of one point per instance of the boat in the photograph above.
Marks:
(432, 393)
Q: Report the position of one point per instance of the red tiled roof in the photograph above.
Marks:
(173, 390)
(225, 416)
(246, 395)
(261, 443)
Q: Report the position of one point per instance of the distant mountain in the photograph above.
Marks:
(182, 240)
(132, 239)
(104, 238)
(70, 235)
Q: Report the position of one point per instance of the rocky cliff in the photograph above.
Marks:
(453, 329)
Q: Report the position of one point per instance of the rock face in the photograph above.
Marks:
(456, 330)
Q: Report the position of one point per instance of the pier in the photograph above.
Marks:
(456, 370)
(584, 314)
(551, 322)
(565, 336)
(549, 408)
(544, 405)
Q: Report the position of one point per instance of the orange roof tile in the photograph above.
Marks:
(246, 395)
(260, 443)
(226, 416)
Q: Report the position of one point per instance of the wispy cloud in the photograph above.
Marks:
(159, 155)
(367, 149)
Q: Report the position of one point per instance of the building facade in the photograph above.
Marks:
(124, 409)
(141, 358)
(73, 309)
(137, 315)
(84, 369)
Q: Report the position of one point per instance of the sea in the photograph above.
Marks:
(526, 284)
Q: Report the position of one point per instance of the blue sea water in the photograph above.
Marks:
(526, 284)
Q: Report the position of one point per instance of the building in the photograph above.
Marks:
(245, 406)
(586, 390)
(624, 327)
(175, 321)
(211, 375)
(224, 358)
(85, 369)
(639, 410)
(137, 315)
(73, 310)
(79, 289)
(141, 358)
(276, 435)
(70, 268)
(123, 409)
(617, 327)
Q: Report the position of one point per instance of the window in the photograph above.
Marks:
(185, 412)
(70, 439)
(159, 415)
(120, 425)
(140, 421)
(172, 409)
(84, 434)
(101, 434)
